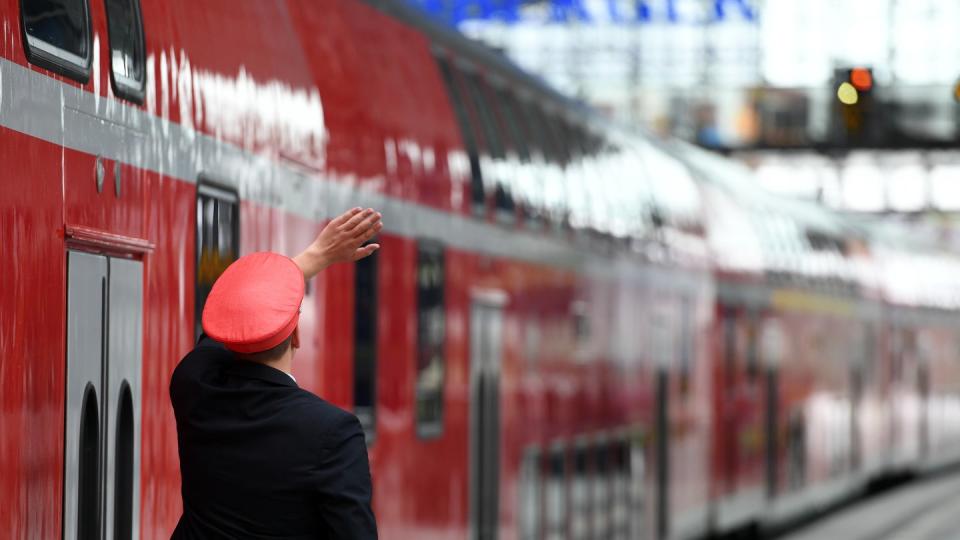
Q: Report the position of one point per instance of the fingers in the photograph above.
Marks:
(344, 217)
(355, 220)
(369, 221)
(369, 233)
(365, 251)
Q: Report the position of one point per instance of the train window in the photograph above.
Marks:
(753, 354)
(58, 35)
(594, 143)
(730, 345)
(601, 490)
(481, 102)
(627, 477)
(571, 136)
(365, 343)
(125, 31)
(529, 498)
(509, 121)
(552, 147)
(620, 505)
(218, 239)
(868, 353)
(687, 343)
(580, 318)
(503, 202)
(554, 129)
(431, 338)
(124, 475)
(580, 494)
(635, 478)
(525, 120)
(458, 106)
(556, 495)
(469, 128)
(89, 480)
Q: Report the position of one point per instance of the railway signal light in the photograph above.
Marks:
(861, 79)
(854, 108)
(852, 84)
(847, 94)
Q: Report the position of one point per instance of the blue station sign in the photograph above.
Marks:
(455, 12)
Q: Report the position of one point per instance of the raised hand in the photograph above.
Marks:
(341, 241)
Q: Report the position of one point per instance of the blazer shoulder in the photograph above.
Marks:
(204, 356)
(331, 423)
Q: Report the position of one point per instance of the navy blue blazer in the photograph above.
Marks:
(262, 458)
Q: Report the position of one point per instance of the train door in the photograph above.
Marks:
(742, 419)
(102, 438)
(486, 347)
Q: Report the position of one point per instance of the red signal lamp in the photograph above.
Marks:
(861, 79)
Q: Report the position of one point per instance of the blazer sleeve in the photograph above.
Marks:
(344, 485)
(198, 364)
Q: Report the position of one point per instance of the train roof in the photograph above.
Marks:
(493, 62)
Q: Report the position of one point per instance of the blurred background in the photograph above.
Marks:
(852, 103)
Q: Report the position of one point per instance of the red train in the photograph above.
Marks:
(570, 331)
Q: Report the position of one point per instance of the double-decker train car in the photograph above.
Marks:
(828, 333)
(570, 331)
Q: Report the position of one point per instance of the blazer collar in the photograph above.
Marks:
(247, 369)
(255, 370)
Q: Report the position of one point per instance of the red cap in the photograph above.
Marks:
(255, 304)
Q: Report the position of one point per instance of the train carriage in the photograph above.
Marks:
(571, 331)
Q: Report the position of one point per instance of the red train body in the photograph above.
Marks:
(570, 332)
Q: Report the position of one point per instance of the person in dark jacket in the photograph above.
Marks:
(259, 456)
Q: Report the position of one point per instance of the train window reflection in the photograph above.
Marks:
(58, 35)
(621, 490)
(552, 128)
(556, 496)
(730, 346)
(753, 357)
(125, 30)
(456, 99)
(601, 491)
(472, 133)
(503, 202)
(509, 119)
(481, 103)
(580, 494)
(217, 240)
(687, 342)
(431, 338)
(530, 120)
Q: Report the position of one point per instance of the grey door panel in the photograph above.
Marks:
(124, 346)
(86, 294)
(102, 428)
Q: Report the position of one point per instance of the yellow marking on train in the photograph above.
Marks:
(793, 300)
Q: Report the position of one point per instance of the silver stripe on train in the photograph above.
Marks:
(42, 107)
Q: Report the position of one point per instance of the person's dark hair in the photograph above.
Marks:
(269, 354)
